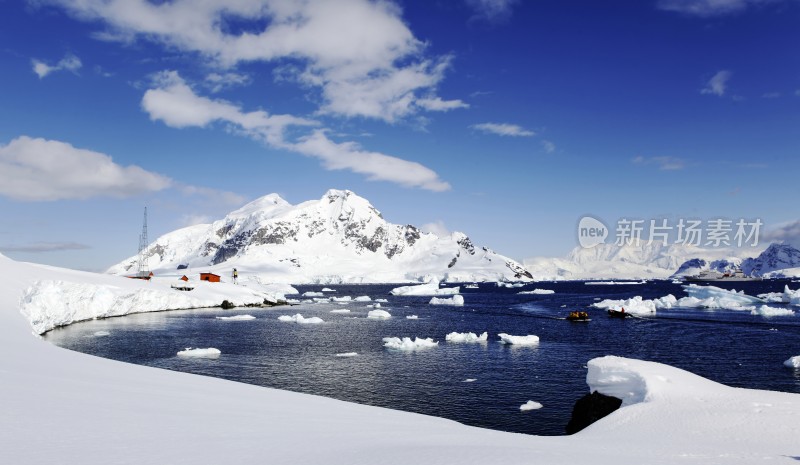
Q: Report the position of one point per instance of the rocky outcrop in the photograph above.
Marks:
(590, 408)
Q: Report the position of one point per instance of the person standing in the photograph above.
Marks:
(235, 276)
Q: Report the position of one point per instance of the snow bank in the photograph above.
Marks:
(529, 340)
(298, 318)
(466, 337)
(407, 343)
(237, 317)
(793, 362)
(200, 353)
(766, 310)
(455, 301)
(537, 291)
(530, 405)
(429, 288)
(378, 314)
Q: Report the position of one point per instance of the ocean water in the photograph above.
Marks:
(728, 346)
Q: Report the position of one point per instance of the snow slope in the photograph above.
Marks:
(66, 407)
(338, 238)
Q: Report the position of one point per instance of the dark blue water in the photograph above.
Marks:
(732, 347)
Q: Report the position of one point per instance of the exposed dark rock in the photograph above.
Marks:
(453, 262)
(226, 304)
(412, 234)
(590, 408)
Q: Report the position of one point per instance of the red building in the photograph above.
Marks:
(210, 277)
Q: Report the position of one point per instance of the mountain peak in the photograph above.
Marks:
(264, 204)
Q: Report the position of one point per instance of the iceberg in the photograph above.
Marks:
(529, 340)
(788, 296)
(378, 314)
(793, 362)
(766, 310)
(715, 297)
(407, 343)
(237, 317)
(200, 353)
(466, 337)
(429, 288)
(298, 318)
(455, 301)
(530, 405)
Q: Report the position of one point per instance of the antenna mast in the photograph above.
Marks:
(143, 267)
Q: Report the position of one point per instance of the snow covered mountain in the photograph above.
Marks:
(643, 261)
(340, 238)
(778, 260)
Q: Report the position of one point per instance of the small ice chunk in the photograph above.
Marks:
(793, 362)
(529, 340)
(407, 343)
(347, 354)
(383, 301)
(412, 317)
(530, 405)
(766, 310)
(327, 289)
(455, 301)
(375, 305)
(466, 337)
(204, 353)
(378, 314)
(341, 310)
(363, 298)
(509, 285)
(430, 288)
(237, 317)
(312, 294)
(298, 318)
(538, 291)
(344, 298)
(470, 380)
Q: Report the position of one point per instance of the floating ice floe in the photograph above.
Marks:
(430, 288)
(237, 317)
(611, 283)
(327, 289)
(530, 405)
(502, 284)
(471, 286)
(204, 353)
(715, 297)
(363, 298)
(466, 337)
(313, 294)
(101, 333)
(766, 310)
(470, 380)
(793, 362)
(537, 291)
(455, 301)
(341, 310)
(635, 305)
(412, 317)
(347, 354)
(298, 318)
(344, 298)
(383, 301)
(407, 343)
(788, 296)
(378, 314)
(529, 340)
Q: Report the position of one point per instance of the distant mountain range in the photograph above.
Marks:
(340, 238)
(656, 261)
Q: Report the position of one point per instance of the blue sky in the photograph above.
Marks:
(507, 120)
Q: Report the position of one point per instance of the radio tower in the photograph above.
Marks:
(143, 268)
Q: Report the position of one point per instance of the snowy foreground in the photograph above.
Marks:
(66, 407)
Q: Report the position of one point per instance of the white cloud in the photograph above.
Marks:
(359, 54)
(436, 227)
(663, 163)
(786, 232)
(68, 63)
(39, 247)
(224, 198)
(706, 8)
(176, 104)
(503, 129)
(218, 82)
(771, 95)
(40, 170)
(548, 146)
(195, 219)
(492, 10)
(717, 84)
(437, 104)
